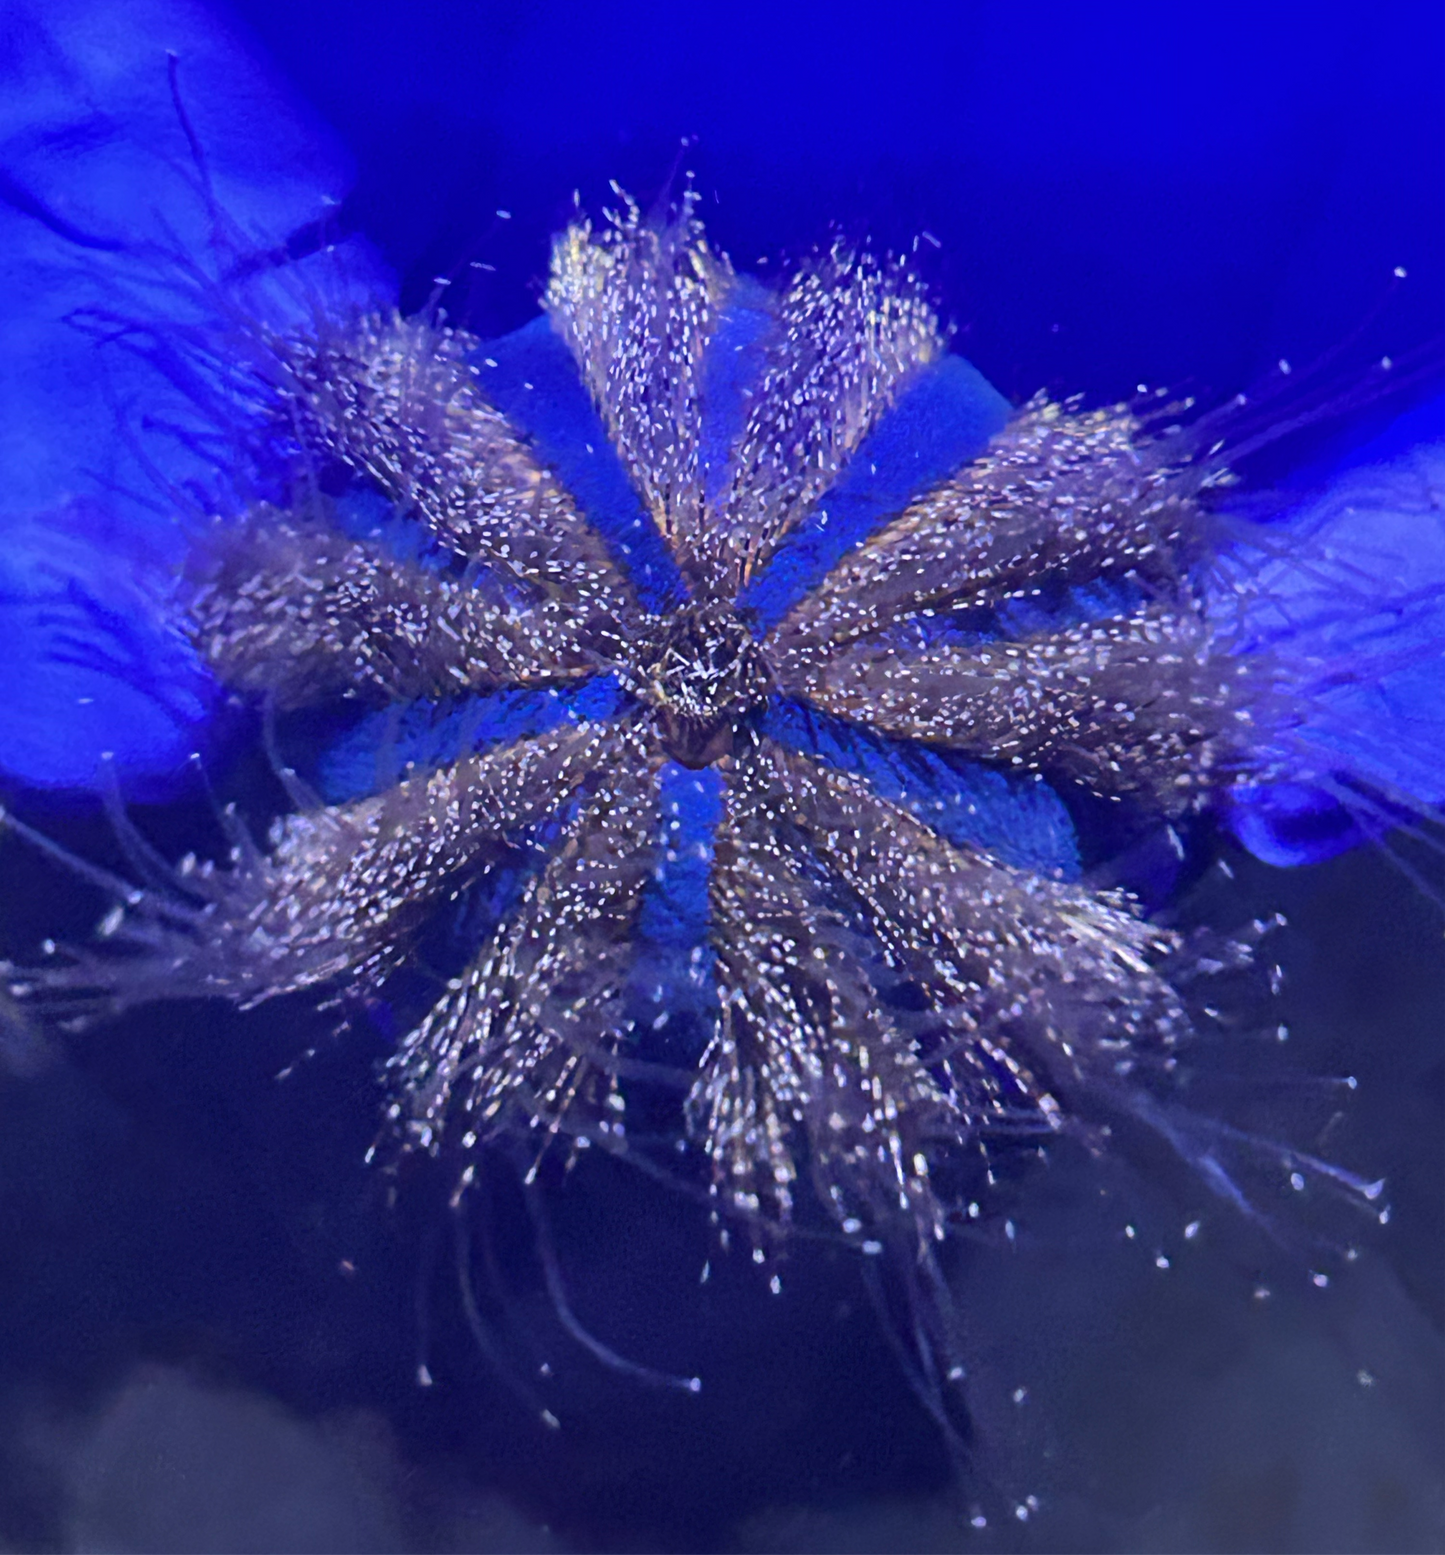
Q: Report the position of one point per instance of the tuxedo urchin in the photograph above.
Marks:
(748, 658)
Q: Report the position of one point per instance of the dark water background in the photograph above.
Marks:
(209, 1312)
(211, 1319)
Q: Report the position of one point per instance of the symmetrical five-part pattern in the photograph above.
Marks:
(732, 649)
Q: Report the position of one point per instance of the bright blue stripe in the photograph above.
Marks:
(675, 906)
(673, 1001)
(945, 418)
(1050, 607)
(1022, 822)
(531, 377)
(1055, 609)
(362, 513)
(736, 356)
(425, 735)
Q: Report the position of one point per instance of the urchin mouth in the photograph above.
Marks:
(705, 675)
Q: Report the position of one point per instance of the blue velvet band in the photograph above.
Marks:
(425, 735)
(942, 420)
(531, 378)
(1023, 823)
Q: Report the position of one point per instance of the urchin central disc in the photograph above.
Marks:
(704, 674)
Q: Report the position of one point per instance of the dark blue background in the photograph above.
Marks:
(1127, 193)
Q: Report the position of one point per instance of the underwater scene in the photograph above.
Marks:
(721, 769)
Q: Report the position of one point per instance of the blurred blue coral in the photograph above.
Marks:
(94, 672)
(1357, 584)
(112, 173)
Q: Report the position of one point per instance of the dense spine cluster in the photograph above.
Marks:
(746, 697)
